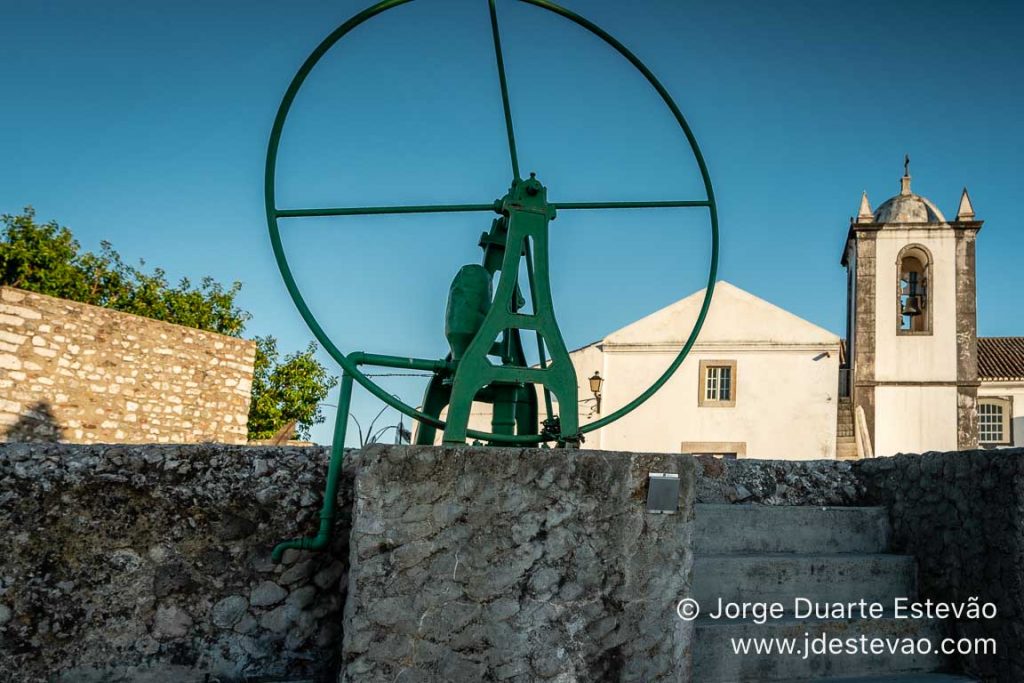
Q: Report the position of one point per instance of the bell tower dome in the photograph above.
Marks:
(912, 350)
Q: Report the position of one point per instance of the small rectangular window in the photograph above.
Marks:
(993, 421)
(717, 383)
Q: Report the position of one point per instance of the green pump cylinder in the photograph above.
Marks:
(469, 299)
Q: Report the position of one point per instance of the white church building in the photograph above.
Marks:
(909, 373)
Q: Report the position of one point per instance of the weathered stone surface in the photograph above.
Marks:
(777, 482)
(962, 516)
(229, 611)
(129, 563)
(517, 565)
(83, 374)
(267, 593)
(171, 623)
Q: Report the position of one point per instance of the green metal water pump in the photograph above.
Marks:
(487, 361)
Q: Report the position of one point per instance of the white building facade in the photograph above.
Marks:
(759, 382)
(910, 374)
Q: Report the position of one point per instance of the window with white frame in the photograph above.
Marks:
(994, 421)
(717, 383)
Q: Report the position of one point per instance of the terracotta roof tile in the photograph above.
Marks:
(1001, 358)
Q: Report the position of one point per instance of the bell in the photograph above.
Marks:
(912, 306)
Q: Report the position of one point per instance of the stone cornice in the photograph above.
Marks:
(738, 346)
(914, 383)
(855, 227)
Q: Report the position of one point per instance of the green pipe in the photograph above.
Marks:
(327, 510)
(402, 362)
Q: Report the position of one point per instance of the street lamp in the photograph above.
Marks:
(595, 388)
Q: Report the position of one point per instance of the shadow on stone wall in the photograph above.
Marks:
(152, 563)
(960, 515)
(36, 424)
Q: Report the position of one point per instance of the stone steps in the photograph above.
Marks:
(845, 427)
(715, 662)
(750, 529)
(785, 577)
(758, 553)
(846, 447)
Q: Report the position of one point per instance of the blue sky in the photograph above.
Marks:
(145, 124)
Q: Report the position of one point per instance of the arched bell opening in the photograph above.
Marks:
(913, 290)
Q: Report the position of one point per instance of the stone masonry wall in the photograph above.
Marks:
(152, 563)
(962, 516)
(501, 564)
(79, 373)
(778, 482)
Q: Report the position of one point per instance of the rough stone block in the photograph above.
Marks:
(515, 564)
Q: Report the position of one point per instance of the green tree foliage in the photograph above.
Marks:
(286, 390)
(46, 258)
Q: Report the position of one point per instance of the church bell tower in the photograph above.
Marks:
(912, 332)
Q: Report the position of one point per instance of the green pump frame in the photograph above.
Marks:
(526, 213)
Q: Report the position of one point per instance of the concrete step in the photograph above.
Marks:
(748, 529)
(714, 660)
(846, 450)
(819, 578)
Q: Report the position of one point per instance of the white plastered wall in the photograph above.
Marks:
(916, 358)
(909, 418)
(912, 419)
(785, 402)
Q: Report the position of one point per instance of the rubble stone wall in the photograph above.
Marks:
(83, 374)
(777, 482)
(481, 564)
(152, 563)
(962, 516)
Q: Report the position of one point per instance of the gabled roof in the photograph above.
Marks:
(735, 316)
(1001, 358)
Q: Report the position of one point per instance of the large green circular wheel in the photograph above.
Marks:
(274, 214)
